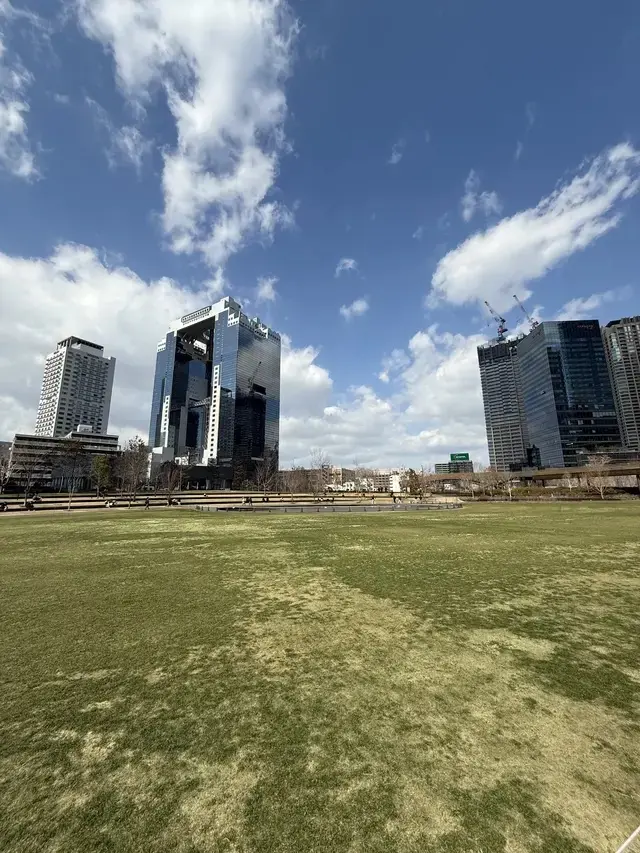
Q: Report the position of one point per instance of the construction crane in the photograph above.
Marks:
(502, 323)
(532, 323)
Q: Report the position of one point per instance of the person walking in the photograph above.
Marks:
(147, 502)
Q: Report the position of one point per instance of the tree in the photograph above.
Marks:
(29, 466)
(568, 482)
(597, 476)
(320, 473)
(169, 478)
(101, 473)
(5, 456)
(72, 464)
(133, 466)
(265, 473)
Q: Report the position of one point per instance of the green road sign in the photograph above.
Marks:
(459, 457)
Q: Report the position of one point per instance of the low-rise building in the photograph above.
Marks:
(34, 460)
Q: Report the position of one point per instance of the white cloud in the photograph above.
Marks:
(357, 308)
(585, 307)
(222, 67)
(126, 145)
(61, 98)
(397, 152)
(418, 234)
(504, 259)
(393, 363)
(427, 137)
(473, 200)
(519, 150)
(530, 113)
(76, 292)
(131, 146)
(15, 152)
(265, 290)
(435, 408)
(346, 265)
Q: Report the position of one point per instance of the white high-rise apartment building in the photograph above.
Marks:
(622, 346)
(76, 390)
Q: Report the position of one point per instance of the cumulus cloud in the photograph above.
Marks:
(266, 290)
(15, 152)
(222, 67)
(77, 292)
(357, 308)
(346, 265)
(474, 200)
(397, 152)
(434, 407)
(505, 258)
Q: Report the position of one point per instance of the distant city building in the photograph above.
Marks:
(76, 389)
(216, 392)
(566, 391)
(502, 397)
(33, 458)
(622, 347)
(458, 467)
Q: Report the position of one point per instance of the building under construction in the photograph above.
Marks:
(503, 409)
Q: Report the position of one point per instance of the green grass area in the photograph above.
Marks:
(464, 682)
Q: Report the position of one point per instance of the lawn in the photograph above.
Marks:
(464, 682)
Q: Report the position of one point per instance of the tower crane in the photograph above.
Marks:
(533, 323)
(502, 323)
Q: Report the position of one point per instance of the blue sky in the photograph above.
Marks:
(154, 155)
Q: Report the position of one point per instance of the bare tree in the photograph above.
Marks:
(320, 470)
(568, 482)
(30, 466)
(101, 473)
(72, 465)
(133, 466)
(169, 478)
(265, 474)
(5, 456)
(597, 476)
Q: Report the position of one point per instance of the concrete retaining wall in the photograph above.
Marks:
(315, 508)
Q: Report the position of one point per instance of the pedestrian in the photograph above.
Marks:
(147, 502)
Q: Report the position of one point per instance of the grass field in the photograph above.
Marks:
(464, 682)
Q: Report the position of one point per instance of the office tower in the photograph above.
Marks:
(622, 348)
(76, 389)
(566, 391)
(216, 393)
(501, 395)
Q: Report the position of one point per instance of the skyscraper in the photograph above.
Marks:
(501, 395)
(76, 389)
(216, 392)
(566, 390)
(622, 347)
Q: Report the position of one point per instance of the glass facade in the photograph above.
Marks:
(566, 391)
(216, 395)
(503, 408)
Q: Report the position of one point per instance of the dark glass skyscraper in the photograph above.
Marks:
(216, 391)
(566, 391)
